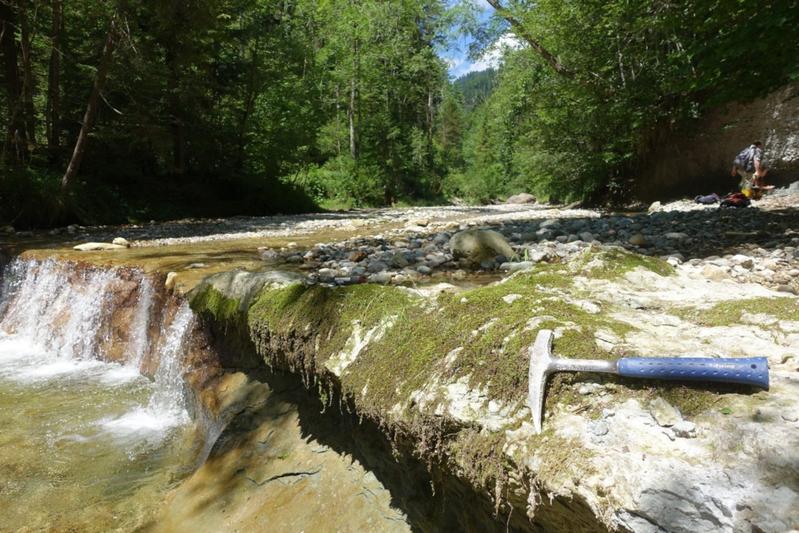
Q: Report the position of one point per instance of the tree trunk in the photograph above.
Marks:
(93, 106)
(54, 81)
(338, 120)
(16, 144)
(351, 116)
(28, 88)
(353, 107)
(522, 32)
(431, 115)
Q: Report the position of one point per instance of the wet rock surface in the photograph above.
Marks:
(278, 466)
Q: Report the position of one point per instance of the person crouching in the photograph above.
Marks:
(750, 165)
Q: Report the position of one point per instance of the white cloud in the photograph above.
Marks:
(492, 57)
(453, 63)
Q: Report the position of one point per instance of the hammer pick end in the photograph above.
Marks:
(540, 354)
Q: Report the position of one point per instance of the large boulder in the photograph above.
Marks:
(477, 245)
(522, 198)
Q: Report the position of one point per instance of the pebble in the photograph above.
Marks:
(677, 236)
(459, 275)
(398, 260)
(357, 256)
(715, 273)
(377, 266)
(684, 429)
(521, 265)
(488, 264)
(600, 428)
(510, 298)
(664, 413)
(637, 240)
(380, 277)
(679, 232)
(269, 255)
(787, 288)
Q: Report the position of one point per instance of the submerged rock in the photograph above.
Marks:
(98, 246)
(638, 240)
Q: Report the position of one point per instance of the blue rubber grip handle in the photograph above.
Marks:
(746, 371)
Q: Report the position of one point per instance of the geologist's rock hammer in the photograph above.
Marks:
(745, 371)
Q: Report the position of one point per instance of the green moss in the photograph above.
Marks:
(226, 318)
(326, 313)
(729, 313)
(617, 262)
(480, 457)
(491, 334)
(690, 401)
(210, 302)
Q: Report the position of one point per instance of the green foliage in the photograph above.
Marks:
(382, 84)
(219, 107)
(476, 87)
(633, 70)
(343, 181)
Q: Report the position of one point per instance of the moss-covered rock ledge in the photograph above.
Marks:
(445, 371)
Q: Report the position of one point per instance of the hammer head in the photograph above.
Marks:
(540, 367)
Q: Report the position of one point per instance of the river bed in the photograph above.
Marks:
(83, 445)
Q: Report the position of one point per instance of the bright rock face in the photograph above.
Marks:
(629, 454)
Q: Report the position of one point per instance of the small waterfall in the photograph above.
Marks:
(169, 386)
(62, 319)
(58, 309)
(140, 327)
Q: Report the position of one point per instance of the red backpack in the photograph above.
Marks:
(736, 199)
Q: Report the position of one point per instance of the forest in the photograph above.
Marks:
(119, 111)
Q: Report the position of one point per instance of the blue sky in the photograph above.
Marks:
(457, 55)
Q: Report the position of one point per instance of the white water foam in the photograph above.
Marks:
(24, 361)
(58, 309)
(50, 316)
(166, 408)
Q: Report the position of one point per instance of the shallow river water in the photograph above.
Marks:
(86, 445)
(83, 444)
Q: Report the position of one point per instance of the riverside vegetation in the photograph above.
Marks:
(121, 111)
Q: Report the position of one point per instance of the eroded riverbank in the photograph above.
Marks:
(420, 364)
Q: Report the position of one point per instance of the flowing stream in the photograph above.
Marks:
(87, 442)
